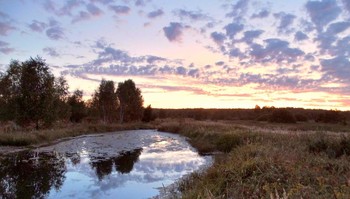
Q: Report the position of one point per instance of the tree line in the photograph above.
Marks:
(31, 95)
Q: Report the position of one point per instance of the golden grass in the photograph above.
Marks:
(259, 164)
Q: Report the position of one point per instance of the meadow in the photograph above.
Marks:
(263, 160)
(253, 159)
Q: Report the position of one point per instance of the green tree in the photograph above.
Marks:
(131, 101)
(77, 106)
(105, 101)
(29, 93)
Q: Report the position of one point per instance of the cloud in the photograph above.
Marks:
(346, 5)
(94, 10)
(114, 61)
(69, 7)
(120, 9)
(51, 52)
(37, 26)
(82, 16)
(338, 27)
(239, 10)
(218, 38)
(155, 14)
(300, 36)
(232, 29)
(322, 12)
(220, 63)
(286, 20)
(6, 28)
(174, 31)
(55, 33)
(192, 15)
(66, 9)
(337, 67)
(104, 2)
(4, 48)
(260, 15)
(250, 35)
(275, 50)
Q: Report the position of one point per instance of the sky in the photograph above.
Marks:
(190, 54)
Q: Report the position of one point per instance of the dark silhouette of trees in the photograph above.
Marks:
(332, 116)
(148, 114)
(105, 101)
(30, 93)
(77, 106)
(131, 101)
(24, 177)
(282, 116)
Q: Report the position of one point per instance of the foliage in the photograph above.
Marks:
(301, 118)
(77, 106)
(105, 101)
(148, 114)
(30, 94)
(282, 116)
(332, 116)
(131, 101)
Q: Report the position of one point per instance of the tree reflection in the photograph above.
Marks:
(123, 163)
(28, 175)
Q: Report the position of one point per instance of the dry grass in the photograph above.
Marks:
(266, 165)
(25, 138)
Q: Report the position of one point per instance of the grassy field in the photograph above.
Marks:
(47, 136)
(261, 160)
(252, 159)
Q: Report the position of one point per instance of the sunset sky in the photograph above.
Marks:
(191, 53)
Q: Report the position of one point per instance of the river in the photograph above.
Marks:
(127, 164)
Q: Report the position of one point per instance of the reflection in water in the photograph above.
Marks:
(29, 175)
(123, 165)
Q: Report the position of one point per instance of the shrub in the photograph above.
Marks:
(301, 118)
(282, 116)
(331, 117)
(225, 143)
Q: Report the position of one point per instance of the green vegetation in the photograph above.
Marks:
(31, 97)
(29, 93)
(263, 163)
(131, 101)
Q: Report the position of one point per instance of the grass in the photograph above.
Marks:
(47, 136)
(252, 159)
(258, 164)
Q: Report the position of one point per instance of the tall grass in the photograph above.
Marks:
(266, 165)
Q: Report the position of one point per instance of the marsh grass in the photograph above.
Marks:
(266, 165)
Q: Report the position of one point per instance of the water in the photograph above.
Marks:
(132, 164)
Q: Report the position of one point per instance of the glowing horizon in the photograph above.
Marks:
(197, 54)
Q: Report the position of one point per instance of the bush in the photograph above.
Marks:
(264, 117)
(301, 118)
(333, 149)
(282, 116)
(331, 117)
(225, 143)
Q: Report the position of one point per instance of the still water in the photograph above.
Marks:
(129, 164)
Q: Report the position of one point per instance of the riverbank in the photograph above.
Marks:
(253, 159)
(265, 164)
(19, 139)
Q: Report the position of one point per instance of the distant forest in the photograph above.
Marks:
(32, 97)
